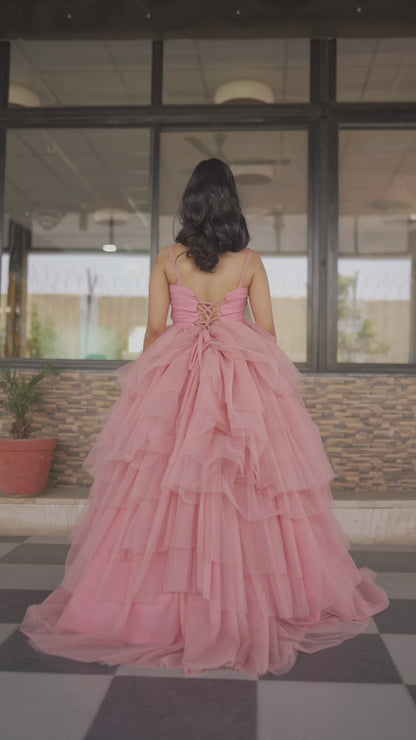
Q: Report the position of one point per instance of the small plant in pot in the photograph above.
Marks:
(24, 463)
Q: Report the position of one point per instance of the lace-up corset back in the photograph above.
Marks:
(187, 308)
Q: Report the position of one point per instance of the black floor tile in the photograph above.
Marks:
(362, 659)
(399, 618)
(13, 537)
(139, 708)
(14, 602)
(383, 561)
(16, 654)
(33, 552)
(412, 692)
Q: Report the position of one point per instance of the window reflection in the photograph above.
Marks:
(68, 195)
(377, 247)
(76, 72)
(196, 71)
(80, 306)
(374, 70)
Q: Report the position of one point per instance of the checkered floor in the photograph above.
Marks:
(365, 688)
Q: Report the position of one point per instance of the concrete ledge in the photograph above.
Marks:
(375, 520)
(378, 521)
(53, 513)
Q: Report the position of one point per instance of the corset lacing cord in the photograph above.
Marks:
(207, 317)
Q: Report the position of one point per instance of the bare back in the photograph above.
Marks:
(212, 287)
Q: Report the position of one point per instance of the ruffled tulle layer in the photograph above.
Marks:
(209, 538)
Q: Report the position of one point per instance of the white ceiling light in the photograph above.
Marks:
(253, 174)
(244, 92)
(111, 217)
(21, 96)
(247, 92)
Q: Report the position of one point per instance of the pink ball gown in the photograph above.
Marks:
(208, 539)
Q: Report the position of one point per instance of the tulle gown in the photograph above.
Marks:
(208, 539)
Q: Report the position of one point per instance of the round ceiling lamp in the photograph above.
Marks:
(243, 92)
(111, 217)
(23, 97)
(253, 174)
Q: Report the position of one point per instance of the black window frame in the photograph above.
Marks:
(322, 117)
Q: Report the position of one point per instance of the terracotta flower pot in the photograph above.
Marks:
(25, 465)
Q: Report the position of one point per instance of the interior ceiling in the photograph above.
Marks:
(73, 173)
(205, 18)
(118, 72)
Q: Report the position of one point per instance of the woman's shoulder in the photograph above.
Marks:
(165, 253)
(255, 256)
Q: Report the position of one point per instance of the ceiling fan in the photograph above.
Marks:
(220, 139)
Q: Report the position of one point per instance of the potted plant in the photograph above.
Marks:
(24, 463)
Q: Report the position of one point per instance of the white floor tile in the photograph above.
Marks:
(384, 546)
(27, 575)
(48, 540)
(7, 629)
(127, 669)
(398, 585)
(292, 710)
(136, 670)
(402, 649)
(372, 628)
(49, 706)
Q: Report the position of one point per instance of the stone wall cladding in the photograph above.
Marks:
(367, 423)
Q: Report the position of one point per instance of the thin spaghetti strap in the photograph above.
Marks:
(178, 275)
(245, 266)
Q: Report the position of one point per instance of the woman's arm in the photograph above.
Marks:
(158, 304)
(259, 294)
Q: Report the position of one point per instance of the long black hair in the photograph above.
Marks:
(210, 215)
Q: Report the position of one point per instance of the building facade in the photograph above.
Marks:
(103, 118)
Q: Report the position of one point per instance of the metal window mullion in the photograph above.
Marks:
(3, 137)
(154, 165)
(4, 99)
(323, 208)
(329, 359)
(176, 116)
(157, 73)
(154, 191)
(313, 251)
(324, 244)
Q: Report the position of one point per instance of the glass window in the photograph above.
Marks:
(377, 247)
(232, 71)
(72, 73)
(271, 173)
(376, 70)
(75, 266)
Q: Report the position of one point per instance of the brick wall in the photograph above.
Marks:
(367, 423)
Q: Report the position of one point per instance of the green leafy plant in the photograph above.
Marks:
(20, 396)
(43, 336)
(357, 335)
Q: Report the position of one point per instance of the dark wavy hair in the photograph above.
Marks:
(210, 215)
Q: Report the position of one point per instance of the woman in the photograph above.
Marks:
(209, 539)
